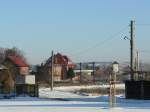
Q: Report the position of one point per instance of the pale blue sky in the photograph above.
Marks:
(72, 26)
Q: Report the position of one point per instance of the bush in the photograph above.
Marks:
(70, 73)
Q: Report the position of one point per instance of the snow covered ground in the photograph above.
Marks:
(64, 101)
(73, 88)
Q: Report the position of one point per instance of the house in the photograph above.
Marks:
(19, 70)
(16, 65)
(61, 65)
(83, 75)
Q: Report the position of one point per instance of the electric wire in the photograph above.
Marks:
(99, 44)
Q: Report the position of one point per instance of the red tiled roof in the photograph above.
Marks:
(60, 59)
(17, 60)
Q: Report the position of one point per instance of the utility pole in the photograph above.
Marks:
(132, 49)
(52, 70)
(137, 53)
(80, 72)
(93, 71)
(112, 90)
(136, 65)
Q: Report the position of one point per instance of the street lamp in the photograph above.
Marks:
(115, 66)
(112, 91)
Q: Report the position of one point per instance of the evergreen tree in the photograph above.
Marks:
(70, 73)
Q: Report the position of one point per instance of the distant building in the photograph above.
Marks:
(19, 71)
(61, 65)
(88, 72)
(16, 65)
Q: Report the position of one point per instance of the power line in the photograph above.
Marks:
(102, 42)
(142, 24)
(145, 51)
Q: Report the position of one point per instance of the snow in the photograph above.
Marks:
(73, 88)
(60, 100)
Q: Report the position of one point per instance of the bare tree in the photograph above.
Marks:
(5, 52)
(15, 52)
(2, 54)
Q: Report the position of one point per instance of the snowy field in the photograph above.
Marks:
(63, 101)
(73, 88)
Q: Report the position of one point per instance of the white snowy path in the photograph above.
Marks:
(59, 101)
